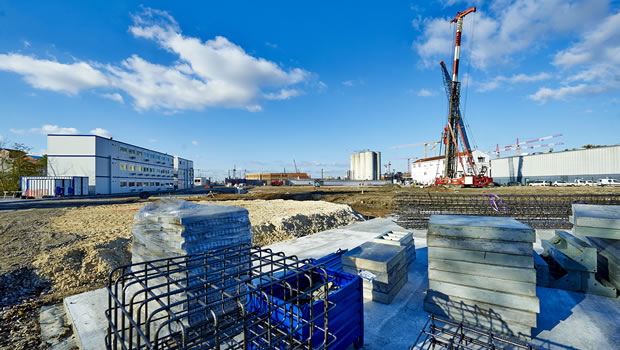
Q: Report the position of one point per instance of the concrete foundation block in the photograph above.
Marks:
(603, 216)
(576, 249)
(385, 298)
(495, 284)
(509, 315)
(521, 274)
(399, 238)
(520, 302)
(380, 276)
(480, 257)
(481, 227)
(514, 248)
(479, 321)
(598, 232)
(375, 257)
(564, 261)
(543, 275)
(385, 287)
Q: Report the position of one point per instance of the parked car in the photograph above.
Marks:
(589, 183)
(540, 183)
(560, 183)
(578, 182)
(513, 183)
(608, 182)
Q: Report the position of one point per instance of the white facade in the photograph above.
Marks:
(366, 166)
(183, 173)
(425, 171)
(111, 166)
(587, 164)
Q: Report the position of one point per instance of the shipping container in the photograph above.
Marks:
(53, 186)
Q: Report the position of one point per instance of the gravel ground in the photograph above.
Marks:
(47, 254)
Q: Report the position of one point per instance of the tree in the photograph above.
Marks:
(16, 164)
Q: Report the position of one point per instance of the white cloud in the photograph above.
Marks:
(348, 83)
(17, 131)
(283, 94)
(544, 95)
(517, 78)
(215, 72)
(425, 93)
(152, 140)
(195, 143)
(26, 43)
(114, 97)
(101, 132)
(272, 45)
(54, 129)
(511, 29)
(52, 75)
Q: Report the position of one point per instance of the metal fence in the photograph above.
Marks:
(245, 297)
(537, 211)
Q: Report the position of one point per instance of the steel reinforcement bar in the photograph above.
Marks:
(537, 211)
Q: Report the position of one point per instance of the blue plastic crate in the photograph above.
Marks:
(345, 317)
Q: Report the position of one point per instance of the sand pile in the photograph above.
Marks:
(101, 236)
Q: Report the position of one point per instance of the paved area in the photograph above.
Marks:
(567, 320)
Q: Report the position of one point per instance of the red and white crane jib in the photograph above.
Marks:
(457, 42)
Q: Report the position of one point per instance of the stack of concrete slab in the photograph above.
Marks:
(481, 272)
(599, 225)
(383, 268)
(400, 238)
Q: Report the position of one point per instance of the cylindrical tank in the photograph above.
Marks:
(378, 167)
(368, 165)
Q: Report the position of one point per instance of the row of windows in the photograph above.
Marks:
(131, 167)
(140, 184)
(146, 155)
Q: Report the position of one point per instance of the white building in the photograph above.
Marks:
(425, 171)
(587, 164)
(366, 166)
(111, 166)
(183, 173)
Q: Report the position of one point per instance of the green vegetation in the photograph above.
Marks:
(15, 163)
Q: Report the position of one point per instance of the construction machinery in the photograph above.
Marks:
(455, 127)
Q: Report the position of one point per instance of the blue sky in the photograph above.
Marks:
(260, 84)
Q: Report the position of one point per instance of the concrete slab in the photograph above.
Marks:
(55, 328)
(598, 232)
(567, 320)
(603, 216)
(515, 248)
(495, 284)
(522, 274)
(86, 312)
(481, 257)
(481, 227)
(375, 257)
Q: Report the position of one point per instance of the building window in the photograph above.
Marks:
(152, 184)
(130, 167)
(138, 153)
(138, 168)
(131, 184)
(157, 184)
(123, 166)
(138, 184)
(123, 184)
(123, 150)
(131, 151)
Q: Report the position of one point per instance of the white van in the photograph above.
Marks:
(608, 182)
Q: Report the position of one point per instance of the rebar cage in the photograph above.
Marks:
(439, 333)
(234, 298)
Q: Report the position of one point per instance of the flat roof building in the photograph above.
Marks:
(269, 177)
(426, 170)
(113, 166)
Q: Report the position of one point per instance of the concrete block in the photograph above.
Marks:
(576, 249)
(399, 238)
(385, 298)
(543, 275)
(385, 287)
(481, 227)
(495, 284)
(602, 216)
(481, 257)
(519, 302)
(598, 232)
(85, 311)
(504, 314)
(564, 261)
(383, 277)
(54, 328)
(502, 247)
(614, 274)
(374, 257)
(522, 274)
(479, 321)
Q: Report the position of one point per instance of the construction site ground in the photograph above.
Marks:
(69, 246)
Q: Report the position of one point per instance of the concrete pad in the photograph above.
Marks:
(483, 245)
(55, 327)
(522, 274)
(86, 314)
(481, 227)
(480, 257)
(496, 284)
(603, 216)
(519, 302)
(375, 257)
(488, 311)
(598, 232)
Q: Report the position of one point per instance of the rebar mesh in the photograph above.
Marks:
(244, 297)
(439, 334)
(537, 211)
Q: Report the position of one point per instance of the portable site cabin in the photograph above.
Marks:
(53, 186)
